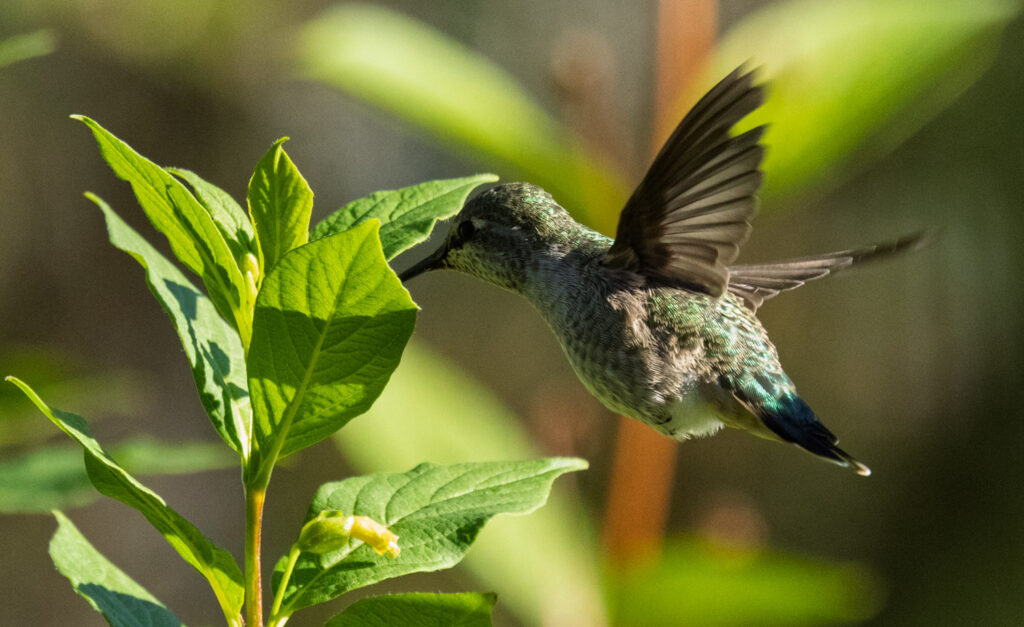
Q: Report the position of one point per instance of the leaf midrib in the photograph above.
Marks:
(284, 427)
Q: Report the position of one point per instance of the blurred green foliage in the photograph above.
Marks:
(466, 101)
(21, 47)
(63, 377)
(52, 477)
(836, 101)
(700, 583)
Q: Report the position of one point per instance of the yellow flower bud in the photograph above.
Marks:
(251, 268)
(331, 530)
(375, 534)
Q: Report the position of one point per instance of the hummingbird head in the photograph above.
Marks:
(497, 235)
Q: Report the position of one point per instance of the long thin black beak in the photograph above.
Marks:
(433, 262)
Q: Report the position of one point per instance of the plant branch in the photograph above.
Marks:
(254, 499)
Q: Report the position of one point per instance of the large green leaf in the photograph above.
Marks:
(553, 574)
(280, 203)
(851, 79)
(426, 78)
(106, 587)
(213, 562)
(188, 226)
(213, 349)
(699, 584)
(418, 609)
(408, 215)
(232, 221)
(436, 511)
(330, 325)
(53, 477)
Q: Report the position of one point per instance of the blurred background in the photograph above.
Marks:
(887, 117)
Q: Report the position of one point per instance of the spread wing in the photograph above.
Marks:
(757, 283)
(688, 217)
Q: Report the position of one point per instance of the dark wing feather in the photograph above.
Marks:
(757, 283)
(688, 217)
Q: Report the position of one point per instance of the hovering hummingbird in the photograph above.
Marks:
(656, 324)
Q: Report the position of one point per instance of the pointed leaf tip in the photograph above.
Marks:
(190, 230)
(407, 215)
(280, 205)
(102, 584)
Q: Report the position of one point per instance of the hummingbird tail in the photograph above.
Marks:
(792, 420)
(759, 282)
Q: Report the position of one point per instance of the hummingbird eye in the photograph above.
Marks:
(466, 230)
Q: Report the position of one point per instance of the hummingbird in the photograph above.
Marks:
(656, 323)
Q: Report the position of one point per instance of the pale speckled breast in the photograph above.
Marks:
(657, 354)
(601, 324)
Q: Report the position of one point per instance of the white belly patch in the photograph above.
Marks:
(693, 416)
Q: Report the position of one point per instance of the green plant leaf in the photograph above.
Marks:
(106, 587)
(419, 609)
(232, 221)
(699, 584)
(280, 203)
(330, 325)
(53, 477)
(437, 512)
(174, 211)
(408, 215)
(553, 574)
(829, 109)
(406, 67)
(26, 46)
(213, 562)
(213, 349)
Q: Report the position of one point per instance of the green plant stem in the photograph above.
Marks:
(254, 499)
(279, 621)
(293, 556)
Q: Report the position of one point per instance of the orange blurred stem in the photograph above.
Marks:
(644, 465)
(639, 494)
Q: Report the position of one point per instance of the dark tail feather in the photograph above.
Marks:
(793, 421)
(758, 282)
